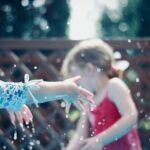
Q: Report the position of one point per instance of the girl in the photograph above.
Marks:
(111, 124)
(14, 96)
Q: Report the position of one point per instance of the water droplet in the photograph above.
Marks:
(4, 147)
(15, 135)
(31, 143)
(64, 134)
(33, 128)
(49, 125)
(22, 138)
(133, 144)
(98, 69)
(35, 67)
(67, 116)
(115, 125)
(83, 113)
(82, 54)
(25, 3)
(146, 115)
(142, 100)
(138, 94)
(30, 147)
(81, 138)
(138, 44)
(2, 74)
(141, 111)
(38, 142)
(129, 41)
(97, 140)
(30, 135)
(24, 112)
(62, 104)
(103, 120)
(137, 80)
(99, 123)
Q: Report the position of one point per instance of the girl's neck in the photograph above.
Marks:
(101, 89)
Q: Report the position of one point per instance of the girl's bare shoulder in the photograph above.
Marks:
(117, 83)
(117, 87)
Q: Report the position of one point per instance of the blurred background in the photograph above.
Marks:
(35, 36)
(74, 19)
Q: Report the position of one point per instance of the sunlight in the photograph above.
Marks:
(85, 15)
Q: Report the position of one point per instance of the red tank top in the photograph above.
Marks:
(103, 116)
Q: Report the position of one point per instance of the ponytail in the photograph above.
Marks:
(115, 72)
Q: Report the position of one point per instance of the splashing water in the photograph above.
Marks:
(35, 67)
(22, 139)
(81, 138)
(22, 127)
(38, 142)
(4, 147)
(67, 116)
(15, 134)
(31, 145)
(32, 127)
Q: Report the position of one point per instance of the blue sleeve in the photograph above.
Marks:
(12, 95)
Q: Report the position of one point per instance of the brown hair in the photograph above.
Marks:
(96, 52)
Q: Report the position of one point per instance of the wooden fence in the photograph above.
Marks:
(42, 59)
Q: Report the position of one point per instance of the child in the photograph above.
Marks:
(111, 124)
(14, 96)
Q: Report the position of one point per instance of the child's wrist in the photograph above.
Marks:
(66, 87)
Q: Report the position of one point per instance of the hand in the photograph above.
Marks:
(77, 94)
(91, 143)
(24, 114)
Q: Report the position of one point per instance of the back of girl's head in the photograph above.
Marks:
(96, 52)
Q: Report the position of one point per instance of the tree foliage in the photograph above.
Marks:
(130, 20)
(33, 18)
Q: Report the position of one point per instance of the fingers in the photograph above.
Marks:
(12, 117)
(19, 117)
(68, 105)
(76, 78)
(26, 114)
(85, 92)
(81, 106)
(84, 100)
(78, 106)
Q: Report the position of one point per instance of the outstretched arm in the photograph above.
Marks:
(14, 95)
(66, 90)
